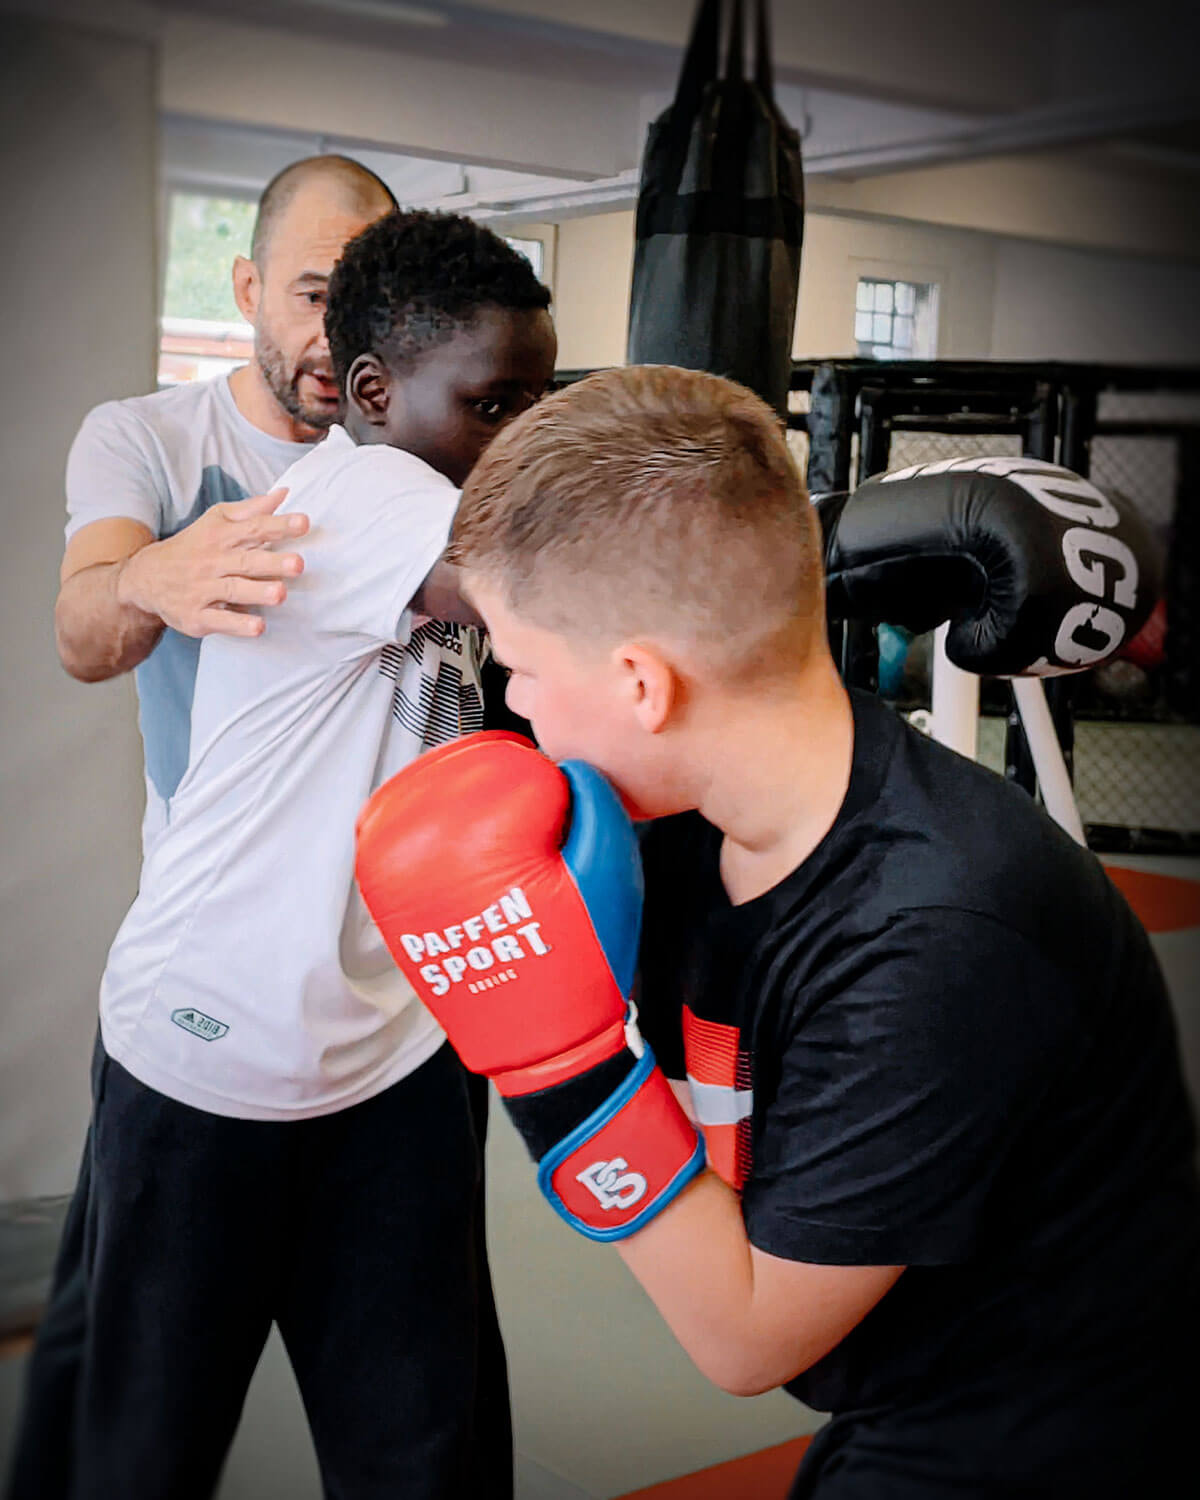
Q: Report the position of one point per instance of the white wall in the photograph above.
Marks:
(837, 251)
(594, 264)
(593, 268)
(77, 120)
(1089, 198)
(1053, 303)
(1000, 297)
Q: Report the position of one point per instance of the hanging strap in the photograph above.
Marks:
(735, 59)
(699, 61)
(764, 72)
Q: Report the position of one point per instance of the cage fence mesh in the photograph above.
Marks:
(932, 447)
(1134, 766)
(1145, 470)
(1138, 775)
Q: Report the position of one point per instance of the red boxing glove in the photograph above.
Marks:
(509, 892)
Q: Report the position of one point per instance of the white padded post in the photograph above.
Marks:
(1048, 761)
(954, 717)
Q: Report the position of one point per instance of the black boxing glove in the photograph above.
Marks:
(1036, 570)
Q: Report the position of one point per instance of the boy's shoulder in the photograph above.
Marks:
(339, 463)
(929, 849)
(936, 830)
(951, 895)
(920, 827)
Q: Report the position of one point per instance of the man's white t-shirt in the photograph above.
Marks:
(247, 978)
(163, 460)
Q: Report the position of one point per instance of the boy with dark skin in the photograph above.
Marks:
(298, 1134)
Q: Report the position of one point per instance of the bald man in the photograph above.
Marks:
(171, 531)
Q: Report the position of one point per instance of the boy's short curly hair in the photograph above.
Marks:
(413, 279)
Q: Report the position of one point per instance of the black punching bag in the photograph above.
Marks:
(720, 219)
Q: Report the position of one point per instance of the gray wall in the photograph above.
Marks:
(77, 122)
(1056, 303)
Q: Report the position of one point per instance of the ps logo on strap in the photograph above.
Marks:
(611, 1189)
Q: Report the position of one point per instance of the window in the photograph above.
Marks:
(534, 252)
(202, 332)
(895, 319)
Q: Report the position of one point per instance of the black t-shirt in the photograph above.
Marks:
(943, 1042)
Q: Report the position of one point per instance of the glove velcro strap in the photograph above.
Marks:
(626, 1161)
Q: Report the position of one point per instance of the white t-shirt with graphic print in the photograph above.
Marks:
(163, 460)
(247, 978)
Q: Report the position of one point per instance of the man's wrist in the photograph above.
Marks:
(130, 586)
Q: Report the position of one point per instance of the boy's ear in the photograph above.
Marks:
(651, 682)
(369, 389)
(247, 288)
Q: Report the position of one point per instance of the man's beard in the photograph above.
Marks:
(284, 381)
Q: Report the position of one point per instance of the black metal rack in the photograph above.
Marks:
(857, 409)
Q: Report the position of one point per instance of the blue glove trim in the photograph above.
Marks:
(613, 1105)
(603, 859)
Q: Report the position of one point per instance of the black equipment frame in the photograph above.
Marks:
(1054, 409)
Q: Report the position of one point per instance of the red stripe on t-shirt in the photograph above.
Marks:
(711, 1049)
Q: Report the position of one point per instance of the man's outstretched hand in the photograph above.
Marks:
(203, 580)
(120, 587)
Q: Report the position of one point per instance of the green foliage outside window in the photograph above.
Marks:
(204, 234)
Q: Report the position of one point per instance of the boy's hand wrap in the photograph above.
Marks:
(509, 891)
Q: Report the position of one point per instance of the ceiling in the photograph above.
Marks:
(875, 87)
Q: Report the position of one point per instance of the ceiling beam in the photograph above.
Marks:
(1068, 124)
(1030, 130)
(283, 81)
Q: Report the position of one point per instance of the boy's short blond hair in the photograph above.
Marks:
(653, 502)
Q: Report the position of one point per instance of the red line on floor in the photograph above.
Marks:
(1165, 903)
(758, 1476)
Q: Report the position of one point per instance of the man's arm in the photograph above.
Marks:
(119, 587)
(749, 1321)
